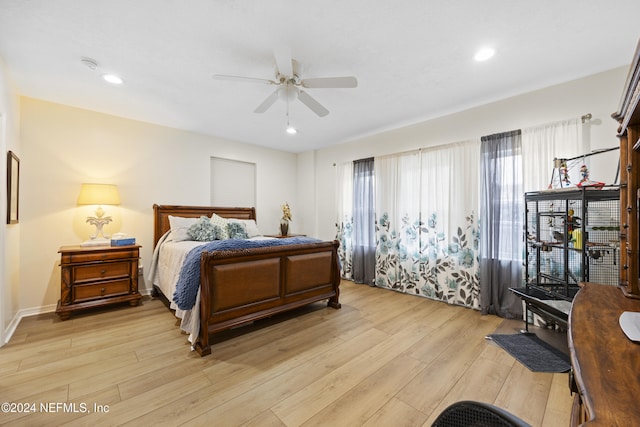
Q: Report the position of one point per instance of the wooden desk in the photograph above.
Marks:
(606, 364)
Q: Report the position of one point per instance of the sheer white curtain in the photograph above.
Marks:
(398, 222)
(426, 228)
(450, 188)
(450, 183)
(344, 217)
(541, 144)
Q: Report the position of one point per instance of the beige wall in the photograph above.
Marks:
(63, 147)
(597, 94)
(9, 234)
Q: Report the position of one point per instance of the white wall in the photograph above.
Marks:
(304, 212)
(598, 94)
(9, 234)
(63, 147)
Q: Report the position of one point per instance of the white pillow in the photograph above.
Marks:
(222, 223)
(179, 227)
(249, 225)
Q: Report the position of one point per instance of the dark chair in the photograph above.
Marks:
(476, 414)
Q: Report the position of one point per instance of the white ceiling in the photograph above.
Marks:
(413, 58)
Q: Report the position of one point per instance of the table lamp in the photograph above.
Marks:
(98, 194)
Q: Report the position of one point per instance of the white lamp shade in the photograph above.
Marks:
(99, 194)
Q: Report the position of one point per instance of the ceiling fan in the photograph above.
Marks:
(290, 85)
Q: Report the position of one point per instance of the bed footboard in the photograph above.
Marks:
(241, 286)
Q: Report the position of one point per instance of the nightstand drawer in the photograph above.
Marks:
(98, 256)
(101, 271)
(100, 290)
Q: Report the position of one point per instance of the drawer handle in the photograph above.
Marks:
(102, 272)
(102, 291)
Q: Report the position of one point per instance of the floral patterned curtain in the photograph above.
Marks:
(399, 259)
(344, 218)
(427, 234)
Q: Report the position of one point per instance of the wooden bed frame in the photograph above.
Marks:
(240, 286)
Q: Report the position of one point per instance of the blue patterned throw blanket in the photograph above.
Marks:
(189, 279)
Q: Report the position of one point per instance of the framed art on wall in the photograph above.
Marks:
(13, 179)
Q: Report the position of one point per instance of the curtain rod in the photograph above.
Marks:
(594, 152)
(584, 118)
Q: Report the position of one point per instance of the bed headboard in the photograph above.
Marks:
(161, 215)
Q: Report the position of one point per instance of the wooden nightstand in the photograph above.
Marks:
(97, 276)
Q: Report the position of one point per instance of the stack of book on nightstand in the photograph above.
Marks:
(121, 239)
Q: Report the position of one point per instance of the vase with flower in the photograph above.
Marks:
(284, 221)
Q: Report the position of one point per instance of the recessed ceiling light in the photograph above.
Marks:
(112, 78)
(484, 54)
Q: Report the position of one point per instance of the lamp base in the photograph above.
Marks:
(96, 242)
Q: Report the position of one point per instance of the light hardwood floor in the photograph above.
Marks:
(383, 359)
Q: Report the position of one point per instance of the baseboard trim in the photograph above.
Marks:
(34, 311)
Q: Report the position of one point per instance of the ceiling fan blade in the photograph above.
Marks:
(314, 105)
(284, 62)
(330, 82)
(243, 79)
(267, 102)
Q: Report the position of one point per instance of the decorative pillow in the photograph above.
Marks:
(179, 227)
(236, 230)
(222, 223)
(249, 225)
(219, 233)
(202, 230)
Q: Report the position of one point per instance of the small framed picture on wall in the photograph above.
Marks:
(13, 180)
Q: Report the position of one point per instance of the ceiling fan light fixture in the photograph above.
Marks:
(288, 93)
(290, 129)
(289, 84)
